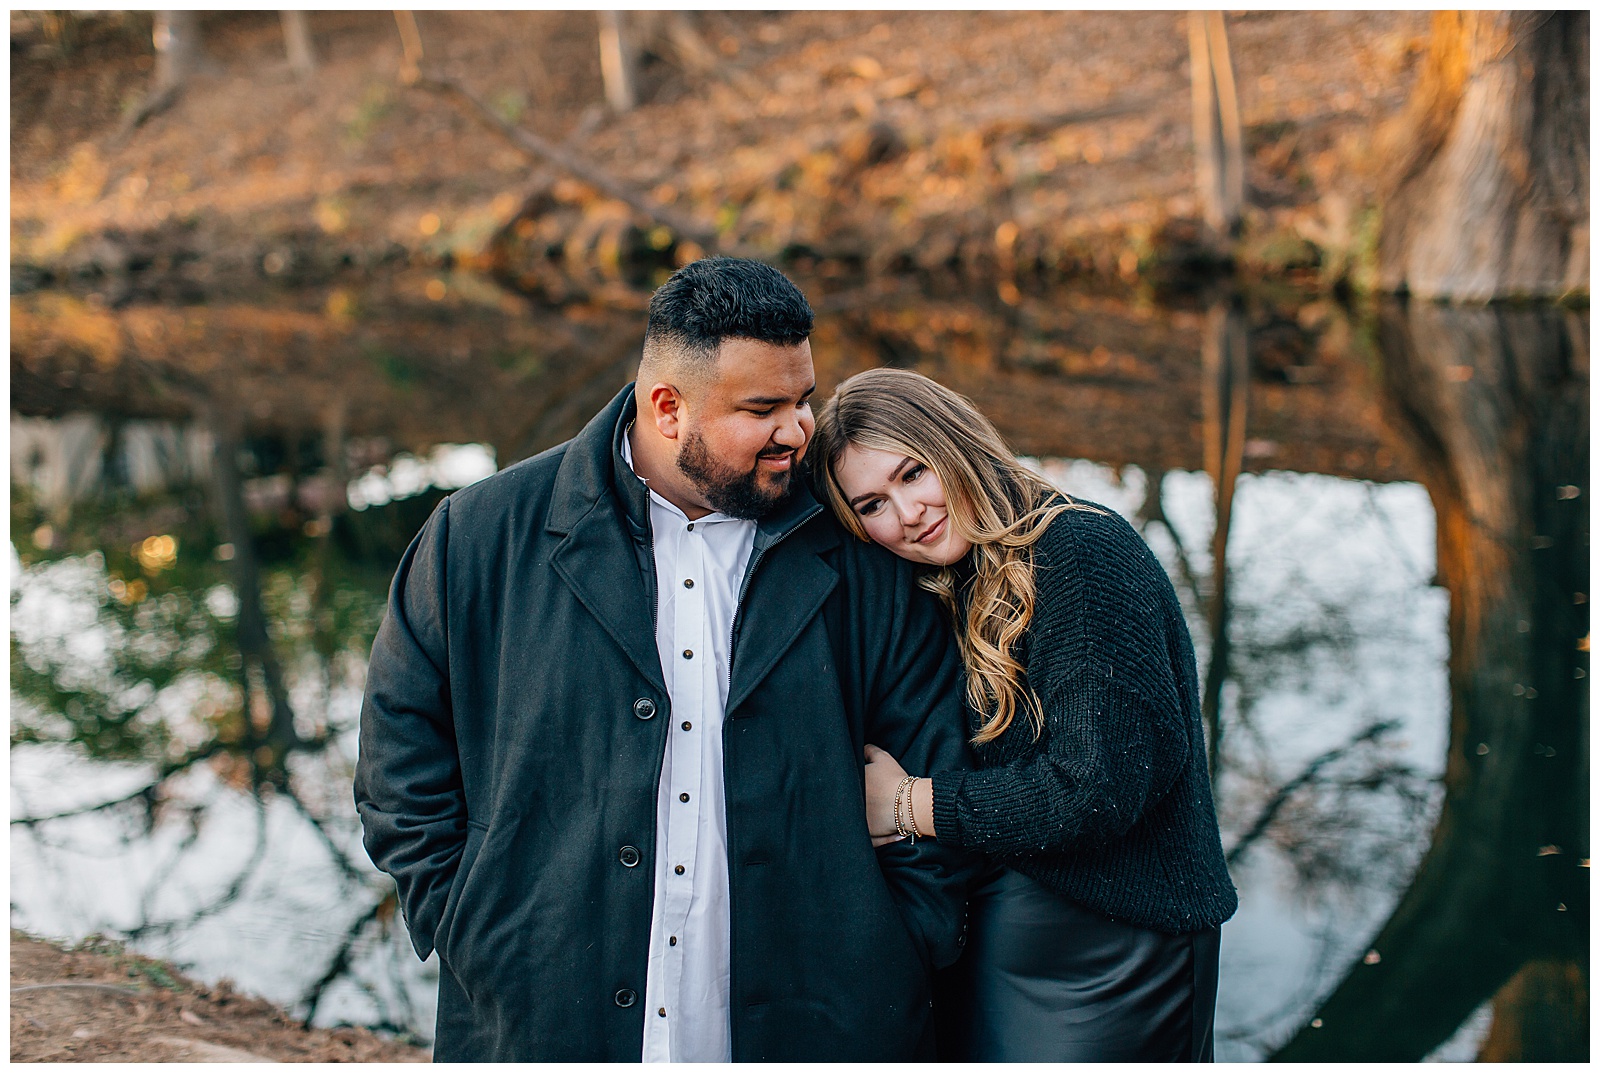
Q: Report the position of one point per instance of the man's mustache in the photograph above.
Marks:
(775, 452)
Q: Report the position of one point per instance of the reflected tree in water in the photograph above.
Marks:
(1494, 405)
(222, 636)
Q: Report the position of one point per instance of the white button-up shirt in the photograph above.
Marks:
(700, 568)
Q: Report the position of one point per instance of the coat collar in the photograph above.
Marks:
(603, 512)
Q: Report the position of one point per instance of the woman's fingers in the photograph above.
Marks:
(882, 775)
(887, 839)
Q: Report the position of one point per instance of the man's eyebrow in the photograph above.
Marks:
(774, 400)
(904, 462)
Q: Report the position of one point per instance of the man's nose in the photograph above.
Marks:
(790, 432)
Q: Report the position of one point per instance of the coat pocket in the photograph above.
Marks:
(444, 936)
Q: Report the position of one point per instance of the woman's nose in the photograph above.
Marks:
(910, 511)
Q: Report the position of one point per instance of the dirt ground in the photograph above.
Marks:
(905, 141)
(105, 1005)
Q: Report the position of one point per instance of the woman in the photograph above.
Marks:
(1095, 937)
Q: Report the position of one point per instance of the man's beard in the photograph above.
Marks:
(738, 495)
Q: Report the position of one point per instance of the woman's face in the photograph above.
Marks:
(900, 504)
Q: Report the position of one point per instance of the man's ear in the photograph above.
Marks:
(667, 410)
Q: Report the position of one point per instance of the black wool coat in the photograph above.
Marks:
(512, 737)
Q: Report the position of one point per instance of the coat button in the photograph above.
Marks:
(625, 997)
(629, 856)
(644, 708)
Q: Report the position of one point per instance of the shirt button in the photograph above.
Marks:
(672, 941)
(683, 797)
(687, 725)
(688, 582)
(678, 870)
(688, 653)
(691, 527)
(662, 1012)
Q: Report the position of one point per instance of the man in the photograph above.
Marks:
(612, 738)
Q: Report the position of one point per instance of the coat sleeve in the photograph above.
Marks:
(915, 712)
(1115, 737)
(408, 773)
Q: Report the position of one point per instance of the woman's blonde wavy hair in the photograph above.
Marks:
(994, 502)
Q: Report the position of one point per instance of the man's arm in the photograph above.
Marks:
(408, 774)
(915, 711)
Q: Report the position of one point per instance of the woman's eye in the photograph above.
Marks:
(913, 473)
(867, 510)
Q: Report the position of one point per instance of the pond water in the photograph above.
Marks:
(195, 585)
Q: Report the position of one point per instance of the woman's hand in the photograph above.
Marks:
(883, 777)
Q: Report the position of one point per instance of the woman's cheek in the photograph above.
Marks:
(880, 533)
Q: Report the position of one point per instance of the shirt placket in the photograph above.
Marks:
(692, 634)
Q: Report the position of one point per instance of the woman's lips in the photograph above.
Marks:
(933, 532)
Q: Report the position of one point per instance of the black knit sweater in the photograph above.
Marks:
(1111, 806)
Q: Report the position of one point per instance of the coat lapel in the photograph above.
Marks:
(597, 557)
(597, 562)
(785, 594)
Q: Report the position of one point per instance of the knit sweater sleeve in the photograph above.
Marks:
(1115, 737)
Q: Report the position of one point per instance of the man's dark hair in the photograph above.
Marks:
(719, 298)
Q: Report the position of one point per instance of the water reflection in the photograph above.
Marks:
(194, 598)
(1494, 406)
(219, 660)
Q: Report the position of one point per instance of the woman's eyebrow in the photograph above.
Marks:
(904, 462)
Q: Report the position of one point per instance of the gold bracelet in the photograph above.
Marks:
(899, 824)
(911, 810)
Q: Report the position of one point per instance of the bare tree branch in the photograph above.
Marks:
(341, 960)
(165, 772)
(227, 897)
(1274, 805)
(319, 825)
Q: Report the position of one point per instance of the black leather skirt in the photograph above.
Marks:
(1042, 979)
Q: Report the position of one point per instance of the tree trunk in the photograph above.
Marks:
(1541, 1015)
(1493, 404)
(1488, 174)
(1225, 396)
(616, 61)
(177, 41)
(1218, 135)
(297, 42)
(178, 55)
(271, 723)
